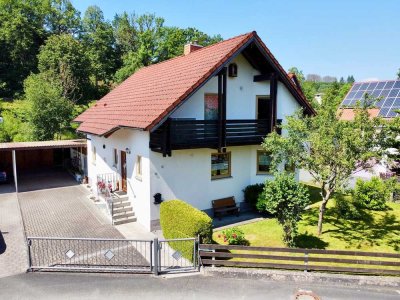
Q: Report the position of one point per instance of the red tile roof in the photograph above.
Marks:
(151, 93)
(348, 114)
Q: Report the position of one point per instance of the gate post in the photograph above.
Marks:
(155, 253)
(29, 244)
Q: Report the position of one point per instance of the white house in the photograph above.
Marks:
(190, 128)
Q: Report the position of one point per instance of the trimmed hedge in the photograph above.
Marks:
(252, 192)
(181, 220)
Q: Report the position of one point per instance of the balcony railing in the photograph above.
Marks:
(185, 134)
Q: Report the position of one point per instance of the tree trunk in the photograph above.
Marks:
(325, 193)
(321, 215)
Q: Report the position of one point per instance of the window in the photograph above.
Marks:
(139, 166)
(94, 155)
(115, 157)
(220, 165)
(263, 162)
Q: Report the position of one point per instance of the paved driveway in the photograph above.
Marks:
(62, 210)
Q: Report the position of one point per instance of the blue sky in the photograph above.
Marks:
(327, 37)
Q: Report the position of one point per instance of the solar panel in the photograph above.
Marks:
(386, 92)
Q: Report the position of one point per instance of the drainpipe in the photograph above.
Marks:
(14, 159)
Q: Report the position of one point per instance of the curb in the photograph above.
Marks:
(303, 277)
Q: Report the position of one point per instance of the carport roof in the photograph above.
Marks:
(42, 145)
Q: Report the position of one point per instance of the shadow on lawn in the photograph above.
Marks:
(365, 231)
(309, 241)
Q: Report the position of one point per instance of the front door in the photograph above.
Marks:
(123, 171)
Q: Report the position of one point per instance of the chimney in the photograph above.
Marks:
(191, 47)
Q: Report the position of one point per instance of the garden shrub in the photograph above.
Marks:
(234, 236)
(252, 192)
(371, 194)
(286, 198)
(346, 209)
(181, 220)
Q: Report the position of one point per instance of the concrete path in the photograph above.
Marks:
(13, 255)
(98, 286)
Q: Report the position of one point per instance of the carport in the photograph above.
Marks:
(18, 158)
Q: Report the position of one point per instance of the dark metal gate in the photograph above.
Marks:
(112, 255)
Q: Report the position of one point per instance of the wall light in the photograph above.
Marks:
(128, 151)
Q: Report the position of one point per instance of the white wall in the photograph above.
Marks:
(187, 176)
(138, 189)
(241, 95)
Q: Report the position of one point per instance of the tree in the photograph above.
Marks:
(21, 34)
(398, 74)
(50, 111)
(286, 198)
(66, 58)
(62, 17)
(314, 77)
(144, 40)
(350, 79)
(331, 150)
(341, 80)
(99, 41)
(299, 74)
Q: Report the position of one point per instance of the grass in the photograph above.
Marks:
(377, 231)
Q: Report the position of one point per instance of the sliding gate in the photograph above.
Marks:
(112, 255)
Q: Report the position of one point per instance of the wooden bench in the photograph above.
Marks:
(225, 206)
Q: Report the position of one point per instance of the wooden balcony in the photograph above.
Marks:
(177, 134)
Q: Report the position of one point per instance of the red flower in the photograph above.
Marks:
(234, 235)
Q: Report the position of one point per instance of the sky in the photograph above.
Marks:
(325, 37)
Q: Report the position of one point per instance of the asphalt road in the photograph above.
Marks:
(106, 286)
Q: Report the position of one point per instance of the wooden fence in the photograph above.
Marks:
(300, 259)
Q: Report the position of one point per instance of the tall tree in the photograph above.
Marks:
(21, 34)
(350, 79)
(145, 40)
(50, 111)
(398, 74)
(99, 41)
(62, 17)
(331, 150)
(66, 58)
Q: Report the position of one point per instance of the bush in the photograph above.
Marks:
(252, 192)
(371, 194)
(346, 209)
(181, 220)
(286, 198)
(234, 236)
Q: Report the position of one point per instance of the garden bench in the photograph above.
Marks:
(225, 206)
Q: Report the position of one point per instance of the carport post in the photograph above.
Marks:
(14, 159)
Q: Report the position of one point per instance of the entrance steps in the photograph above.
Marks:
(122, 209)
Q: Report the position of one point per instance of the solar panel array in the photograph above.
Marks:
(388, 93)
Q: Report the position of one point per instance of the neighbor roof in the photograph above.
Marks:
(152, 93)
(42, 145)
(387, 92)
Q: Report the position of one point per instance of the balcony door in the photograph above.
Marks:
(264, 108)
(123, 171)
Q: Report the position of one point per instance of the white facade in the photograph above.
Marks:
(186, 175)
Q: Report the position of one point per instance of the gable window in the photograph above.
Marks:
(220, 165)
(232, 70)
(93, 155)
(139, 166)
(115, 157)
(263, 162)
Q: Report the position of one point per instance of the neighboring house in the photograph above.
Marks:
(191, 127)
(387, 92)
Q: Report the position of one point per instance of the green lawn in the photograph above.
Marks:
(377, 231)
